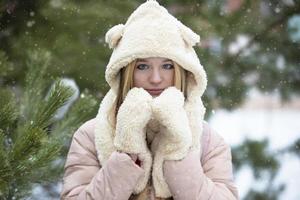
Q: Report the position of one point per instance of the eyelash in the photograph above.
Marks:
(171, 66)
(138, 66)
(164, 66)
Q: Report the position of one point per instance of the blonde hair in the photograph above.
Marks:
(126, 83)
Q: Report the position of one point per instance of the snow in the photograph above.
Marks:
(282, 127)
(240, 43)
(294, 28)
(278, 124)
(72, 84)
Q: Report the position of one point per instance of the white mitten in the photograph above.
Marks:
(175, 137)
(132, 118)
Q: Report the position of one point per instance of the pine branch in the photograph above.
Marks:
(8, 112)
(28, 143)
(37, 164)
(31, 149)
(36, 83)
(83, 109)
(5, 171)
(59, 95)
(5, 66)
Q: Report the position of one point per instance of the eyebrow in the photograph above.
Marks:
(144, 60)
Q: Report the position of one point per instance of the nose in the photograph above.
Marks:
(155, 76)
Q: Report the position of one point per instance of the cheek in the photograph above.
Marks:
(138, 79)
(169, 77)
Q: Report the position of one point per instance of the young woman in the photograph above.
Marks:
(149, 139)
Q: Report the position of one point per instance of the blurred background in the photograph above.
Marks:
(52, 62)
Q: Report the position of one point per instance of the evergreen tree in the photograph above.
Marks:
(32, 141)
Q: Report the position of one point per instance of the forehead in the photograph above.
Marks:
(154, 59)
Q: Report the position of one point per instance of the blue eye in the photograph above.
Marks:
(142, 67)
(168, 66)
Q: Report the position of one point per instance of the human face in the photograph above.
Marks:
(153, 74)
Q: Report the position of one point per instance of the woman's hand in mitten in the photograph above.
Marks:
(132, 118)
(176, 135)
(174, 139)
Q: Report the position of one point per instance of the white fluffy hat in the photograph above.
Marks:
(151, 31)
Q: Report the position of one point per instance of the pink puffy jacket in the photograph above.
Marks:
(85, 178)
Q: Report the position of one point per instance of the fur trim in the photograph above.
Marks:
(133, 116)
(114, 35)
(151, 31)
(107, 141)
(104, 131)
(175, 138)
(189, 36)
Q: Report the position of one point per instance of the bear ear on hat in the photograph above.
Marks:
(113, 35)
(190, 37)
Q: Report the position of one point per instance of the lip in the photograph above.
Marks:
(154, 91)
